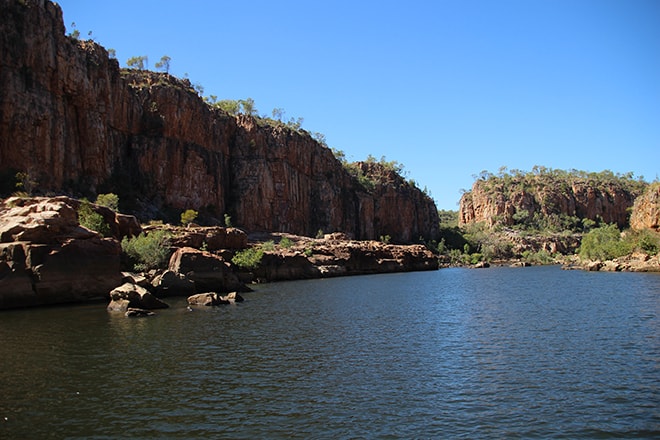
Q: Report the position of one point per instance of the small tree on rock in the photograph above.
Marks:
(188, 216)
(164, 63)
(137, 62)
(230, 106)
(109, 200)
(247, 106)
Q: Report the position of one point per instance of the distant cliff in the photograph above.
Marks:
(646, 212)
(76, 123)
(546, 197)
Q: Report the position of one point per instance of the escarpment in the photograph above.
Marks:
(563, 196)
(76, 123)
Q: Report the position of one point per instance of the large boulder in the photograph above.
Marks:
(171, 283)
(289, 265)
(39, 220)
(214, 299)
(137, 297)
(74, 271)
(47, 219)
(211, 238)
(46, 257)
(78, 270)
(209, 272)
(206, 299)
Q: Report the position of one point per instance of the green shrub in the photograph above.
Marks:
(90, 219)
(604, 243)
(188, 216)
(227, 221)
(248, 259)
(109, 200)
(455, 256)
(473, 258)
(648, 241)
(286, 242)
(147, 251)
(540, 257)
(230, 106)
(448, 218)
(26, 183)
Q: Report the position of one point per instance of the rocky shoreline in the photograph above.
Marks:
(47, 257)
(637, 262)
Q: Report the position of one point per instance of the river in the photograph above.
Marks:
(456, 353)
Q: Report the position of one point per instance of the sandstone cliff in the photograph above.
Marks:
(646, 212)
(77, 123)
(550, 194)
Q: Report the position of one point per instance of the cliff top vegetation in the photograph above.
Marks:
(547, 199)
(507, 181)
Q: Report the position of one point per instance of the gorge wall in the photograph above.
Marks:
(78, 124)
(510, 199)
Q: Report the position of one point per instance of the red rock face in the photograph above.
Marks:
(646, 213)
(72, 119)
(580, 199)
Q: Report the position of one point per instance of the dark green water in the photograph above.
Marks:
(456, 353)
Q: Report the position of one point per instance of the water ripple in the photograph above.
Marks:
(498, 353)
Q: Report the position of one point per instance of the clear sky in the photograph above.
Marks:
(446, 88)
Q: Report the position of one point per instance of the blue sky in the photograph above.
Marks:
(446, 88)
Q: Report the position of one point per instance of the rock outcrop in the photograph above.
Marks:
(339, 256)
(130, 295)
(74, 121)
(209, 299)
(209, 238)
(208, 271)
(646, 212)
(46, 257)
(635, 262)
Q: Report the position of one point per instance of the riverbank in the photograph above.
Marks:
(637, 262)
(48, 257)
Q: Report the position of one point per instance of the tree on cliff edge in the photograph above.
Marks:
(138, 62)
(247, 106)
(164, 63)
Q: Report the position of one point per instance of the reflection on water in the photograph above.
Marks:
(516, 353)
